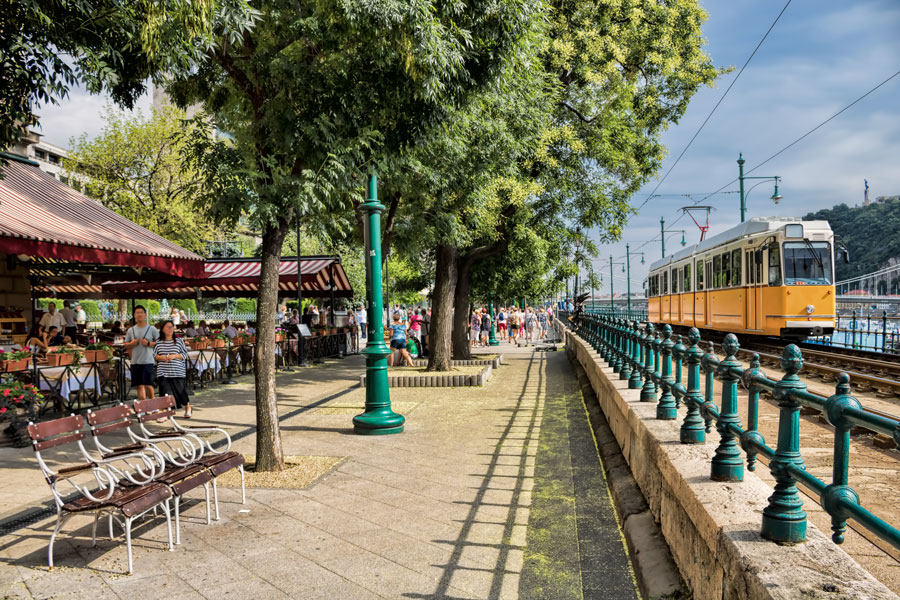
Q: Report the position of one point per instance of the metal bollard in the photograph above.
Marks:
(665, 408)
(634, 383)
(677, 356)
(708, 395)
(691, 431)
(751, 434)
(648, 392)
(784, 519)
(728, 464)
(839, 491)
(625, 370)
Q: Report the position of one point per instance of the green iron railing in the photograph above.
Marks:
(652, 361)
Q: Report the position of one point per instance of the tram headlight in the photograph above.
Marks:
(810, 309)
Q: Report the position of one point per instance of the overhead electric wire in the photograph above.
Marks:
(805, 135)
(709, 116)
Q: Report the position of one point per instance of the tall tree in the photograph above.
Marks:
(318, 89)
(46, 47)
(135, 167)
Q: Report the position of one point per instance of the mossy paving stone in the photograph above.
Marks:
(575, 547)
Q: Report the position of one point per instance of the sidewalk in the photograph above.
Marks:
(492, 492)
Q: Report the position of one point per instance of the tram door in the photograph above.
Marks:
(707, 310)
(754, 289)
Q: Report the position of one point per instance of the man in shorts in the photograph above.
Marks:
(141, 337)
(501, 323)
(543, 322)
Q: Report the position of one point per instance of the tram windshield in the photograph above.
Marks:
(807, 263)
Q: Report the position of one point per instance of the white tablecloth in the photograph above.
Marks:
(68, 381)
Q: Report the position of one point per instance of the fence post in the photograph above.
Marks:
(617, 346)
(710, 371)
(784, 519)
(691, 431)
(751, 434)
(634, 383)
(665, 408)
(839, 491)
(678, 356)
(648, 392)
(883, 329)
(727, 464)
(625, 369)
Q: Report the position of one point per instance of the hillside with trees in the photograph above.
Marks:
(869, 232)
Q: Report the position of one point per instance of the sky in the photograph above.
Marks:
(820, 56)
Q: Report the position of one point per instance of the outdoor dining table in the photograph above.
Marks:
(63, 381)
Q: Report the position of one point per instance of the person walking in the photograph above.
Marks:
(426, 327)
(80, 315)
(514, 318)
(171, 367)
(485, 327)
(501, 323)
(398, 342)
(141, 338)
(531, 325)
(543, 322)
(475, 335)
(361, 317)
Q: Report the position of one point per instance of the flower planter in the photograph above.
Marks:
(218, 343)
(238, 341)
(198, 345)
(279, 337)
(332, 331)
(60, 359)
(11, 366)
(96, 356)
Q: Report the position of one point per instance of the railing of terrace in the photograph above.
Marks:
(650, 360)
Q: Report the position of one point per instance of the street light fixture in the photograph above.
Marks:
(628, 254)
(662, 234)
(775, 197)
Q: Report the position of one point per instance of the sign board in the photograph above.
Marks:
(304, 330)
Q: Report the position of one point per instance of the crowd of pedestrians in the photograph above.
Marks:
(513, 324)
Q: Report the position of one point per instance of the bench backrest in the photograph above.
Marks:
(56, 432)
(161, 407)
(109, 419)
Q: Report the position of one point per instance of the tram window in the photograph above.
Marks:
(675, 281)
(774, 265)
(749, 256)
(807, 263)
(717, 272)
(665, 282)
(699, 275)
(726, 270)
(687, 277)
(736, 268)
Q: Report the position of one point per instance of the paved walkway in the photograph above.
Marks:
(492, 492)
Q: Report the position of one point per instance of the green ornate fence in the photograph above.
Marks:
(652, 361)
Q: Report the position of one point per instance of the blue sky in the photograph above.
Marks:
(820, 56)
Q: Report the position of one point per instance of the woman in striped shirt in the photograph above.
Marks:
(171, 367)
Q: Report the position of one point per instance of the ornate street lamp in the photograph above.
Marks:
(378, 419)
(775, 197)
(664, 231)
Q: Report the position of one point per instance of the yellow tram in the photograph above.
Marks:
(771, 276)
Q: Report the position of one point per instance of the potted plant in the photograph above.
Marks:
(218, 340)
(198, 343)
(97, 352)
(17, 360)
(19, 401)
(280, 334)
(62, 356)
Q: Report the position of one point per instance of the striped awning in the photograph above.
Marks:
(239, 277)
(43, 217)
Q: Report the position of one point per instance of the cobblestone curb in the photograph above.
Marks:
(495, 362)
(439, 379)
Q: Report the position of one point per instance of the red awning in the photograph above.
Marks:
(40, 216)
(239, 277)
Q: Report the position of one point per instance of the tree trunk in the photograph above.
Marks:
(123, 308)
(269, 453)
(442, 308)
(461, 313)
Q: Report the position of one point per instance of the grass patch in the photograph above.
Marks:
(300, 472)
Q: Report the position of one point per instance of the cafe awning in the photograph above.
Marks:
(43, 218)
(239, 277)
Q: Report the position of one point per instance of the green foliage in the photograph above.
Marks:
(189, 306)
(245, 305)
(107, 45)
(870, 234)
(135, 167)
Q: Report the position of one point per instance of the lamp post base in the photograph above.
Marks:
(494, 343)
(384, 431)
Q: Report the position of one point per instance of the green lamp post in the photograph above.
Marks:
(492, 340)
(378, 419)
(664, 231)
(628, 254)
(775, 197)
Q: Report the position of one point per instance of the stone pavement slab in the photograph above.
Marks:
(475, 499)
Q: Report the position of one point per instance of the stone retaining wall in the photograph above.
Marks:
(712, 528)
